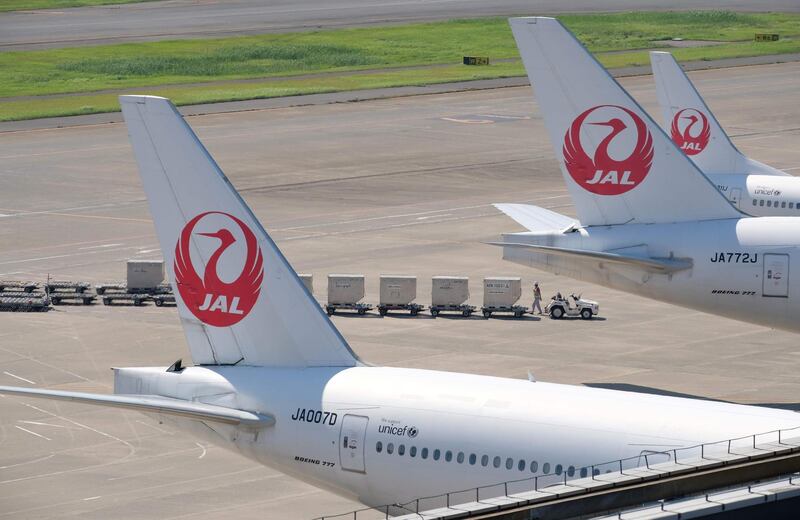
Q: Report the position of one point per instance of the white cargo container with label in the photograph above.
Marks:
(308, 281)
(501, 291)
(145, 274)
(398, 289)
(345, 288)
(449, 290)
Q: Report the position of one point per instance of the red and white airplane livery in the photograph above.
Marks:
(751, 186)
(649, 221)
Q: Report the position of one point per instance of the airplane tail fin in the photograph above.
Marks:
(692, 125)
(239, 300)
(618, 164)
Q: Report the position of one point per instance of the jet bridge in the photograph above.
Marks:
(727, 471)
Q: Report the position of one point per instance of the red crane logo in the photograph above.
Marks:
(211, 300)
(602, 174)
(693, 139)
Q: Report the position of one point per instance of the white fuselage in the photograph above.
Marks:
(761, 195)
(745, 269)
(391, 435)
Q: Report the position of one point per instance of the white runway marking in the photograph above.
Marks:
(48, 365)
(202, 448)
(91, 498)
(102, 246)
(32, 433)
(34, 461)
(19, 377)
(37, 423)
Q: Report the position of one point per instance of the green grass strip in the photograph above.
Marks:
(349, 59)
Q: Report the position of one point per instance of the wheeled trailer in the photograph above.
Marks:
(463, 309)
(24, 304)
(412, 308)
(65, 286)
(517, 310)
(135, 299)
(103, 288)
(161, 299)
(58, 296)
(360, 308)
(16, 285)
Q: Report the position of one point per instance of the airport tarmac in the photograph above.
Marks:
(387, 186)
(173, 19)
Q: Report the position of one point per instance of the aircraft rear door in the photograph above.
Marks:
(352, 440)
(736, 196)
(776, 275)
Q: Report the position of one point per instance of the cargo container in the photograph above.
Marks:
(501, 291)
(500, 294)
(144, 274)
(449, 290)
(345, 291)
(308, 281)
(397, 292)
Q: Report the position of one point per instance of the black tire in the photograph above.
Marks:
(557, 313)
(466, 313)
(487, 314)
(87, 301)
(381, 310)
(159, 302)
(101, 290)
(517, 314)
(55, 301)
(434, 312)
(586, 314)
(362, 311)
(414, 312)
(330, 310)
(106, 301)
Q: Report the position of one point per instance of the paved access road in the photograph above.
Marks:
(209, 18)
(390, 186)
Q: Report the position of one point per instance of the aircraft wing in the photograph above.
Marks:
(152, 404)
(649, 264)
(534, 218)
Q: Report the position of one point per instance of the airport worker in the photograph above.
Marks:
(537, 298)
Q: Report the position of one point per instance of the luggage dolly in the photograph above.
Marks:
(361, 308)
(516, 310)
(57, 297)
(463, 309)
(136, 299)
(412, 308)
(161, 299)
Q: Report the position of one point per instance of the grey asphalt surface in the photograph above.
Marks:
(208, 18)
(400, 185)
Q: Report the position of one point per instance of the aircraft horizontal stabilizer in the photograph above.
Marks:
(152, 404)
(534, 218)
(649, 264)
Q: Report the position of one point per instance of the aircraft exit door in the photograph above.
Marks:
(351, 442)
(736, 196)
(776, 275)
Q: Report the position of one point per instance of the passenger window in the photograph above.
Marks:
(460, 458)
(413, 451)
(559, 469)
(485, 460)
(521, 465)
(769, 203)
(534, 466)
(379, 447)
(509, 463)
(783, 204)
(584, 472)
(401, 449)
(571, 471)
(496, 462)
(424, 453)
(448, 456)
(436, 454)
(546, 468)
(755, 202)
(791, 205)
(472, 459)
(390, 448)
(761, 202)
